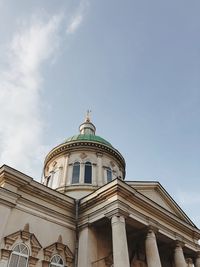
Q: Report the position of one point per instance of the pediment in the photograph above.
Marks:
(60, 249)
(23, 236)
(156, 193)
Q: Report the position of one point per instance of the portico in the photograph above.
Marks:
(134, 236)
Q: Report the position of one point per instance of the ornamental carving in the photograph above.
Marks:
(83, 155)
(60, 249)
(23, 236)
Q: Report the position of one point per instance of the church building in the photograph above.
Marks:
(85, 214)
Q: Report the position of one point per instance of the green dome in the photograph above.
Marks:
(87, 137)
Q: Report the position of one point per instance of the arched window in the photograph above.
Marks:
(109, 174)
(88, 173)
(19, 256)
(56, 261)
(76, 173)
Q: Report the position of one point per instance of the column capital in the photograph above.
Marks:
(179, 243)
(117, 212)
(152, 228)
(116, 219)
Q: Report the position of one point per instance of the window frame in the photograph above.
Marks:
(19, 254)
(109, 172)
(88, 167)
(55, 264)
(76, 164)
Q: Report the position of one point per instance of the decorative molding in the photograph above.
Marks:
(112, 164)
(60, 249)
(24, 236)
(79, 145)
(83, 155)
(5, 254)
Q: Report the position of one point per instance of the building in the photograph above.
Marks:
(83, 213)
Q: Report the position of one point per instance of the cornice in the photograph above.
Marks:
(8, 198)
(80, 145)
(25, 184)
(24, 193)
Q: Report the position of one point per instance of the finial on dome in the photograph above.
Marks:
(87, 118)
(87, 127)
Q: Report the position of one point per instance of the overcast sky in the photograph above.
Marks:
(135, 64)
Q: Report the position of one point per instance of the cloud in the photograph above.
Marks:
(188, 199)
(21, 128)
(77, 18)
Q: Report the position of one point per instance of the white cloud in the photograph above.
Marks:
(77, 18)
(21, 128)
(188, 199)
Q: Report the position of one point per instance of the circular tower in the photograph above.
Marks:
(82, 163)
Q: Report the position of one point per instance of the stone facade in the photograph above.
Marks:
(100, 221)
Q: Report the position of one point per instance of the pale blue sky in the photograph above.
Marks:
(135, 64)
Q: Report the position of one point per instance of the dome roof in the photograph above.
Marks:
(87, 137)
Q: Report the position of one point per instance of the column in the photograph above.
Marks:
(87, 248)
(100, 177)
(119, 241)
(152, 254)
(189, 262)
(197, 261)
(179, 259)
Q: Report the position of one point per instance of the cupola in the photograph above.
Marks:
(82, 163)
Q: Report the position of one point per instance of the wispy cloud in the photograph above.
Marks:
(21, 82)
(187, 199)
(190, 200)
(21, 128)
(77, 18)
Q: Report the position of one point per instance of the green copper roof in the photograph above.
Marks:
(88, 137)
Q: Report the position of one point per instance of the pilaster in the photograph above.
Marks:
(99, 169)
